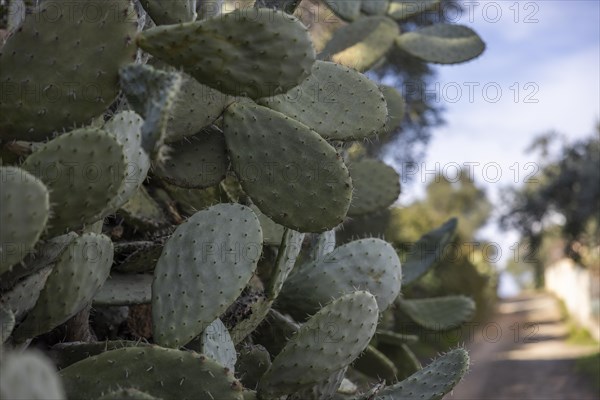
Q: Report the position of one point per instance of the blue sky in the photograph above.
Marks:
(545, 60)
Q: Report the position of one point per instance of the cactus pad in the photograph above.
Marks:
(432, 382)
(204, 266)
(124, 290)
(326, 343)
(375, 364)
(368, 264)
(403, 9)
(127, 128)
(374, 7)
(47, 84)
(348, 10)
(236, 53)
(395, 107)
(335, 101)
(272, 232)
(292, 174)
(428, 250)
(23, 296)
(84, 170)
(166, 12)
(30, 376)
(151, 93)
(162, 373)
(376, 186)
(362, 43)
(442, 43)
(439, 313)
(216, 343)
(7, 323)
(24, 212)
(196, 106)
(127, 394)
(252, 363)
(198, 161)
(79, 272)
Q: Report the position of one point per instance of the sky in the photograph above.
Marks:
(540, 72)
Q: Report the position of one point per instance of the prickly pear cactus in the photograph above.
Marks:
(171, 235)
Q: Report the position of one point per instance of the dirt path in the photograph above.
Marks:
(522, 355)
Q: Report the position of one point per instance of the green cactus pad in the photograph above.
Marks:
(272, 232)
(276, 332)
(439, 313)
(432, 382)
(395, 107)
(68, 353)
(22, 297)
(361, 44)
(335, 101)
(162, 373)
(394, 338)
(142, 212)
(428, 250)
(24, 211)
(404, 359)
(124, 290)
(292, 174)
(137, 257)
(84, 170)
(48, 83)
(374, 7)
(344, 328)
(29, 375)
(129, 393)
(376, 186)
(216, 343)
(375, 364)
(368, 264)
(348, 10)
(196, 162)
(127, 128)
(442, 43)
(239, 53)
(325, 389)
(7, 323)
(45, 255)
(403, 9)
(287, 254)
(151, 93)
(166, 12)
(79, 272)
(196, 106)
(205, 266)
(252, 362)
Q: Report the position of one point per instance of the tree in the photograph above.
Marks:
(566, 193)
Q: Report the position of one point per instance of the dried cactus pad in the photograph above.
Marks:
(203, 268)
(162, 373)
(60, 68)
(255, 54)
(336, 102)
(291, 173)
(24, 212)
(84, 171)
(442, 43)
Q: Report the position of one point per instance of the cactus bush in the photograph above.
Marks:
(172, 234)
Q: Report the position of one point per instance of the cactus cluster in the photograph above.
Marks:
(172, 215)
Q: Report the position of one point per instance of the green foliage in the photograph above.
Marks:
(183, 224)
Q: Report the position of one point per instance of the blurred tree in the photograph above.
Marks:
(566, 192)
